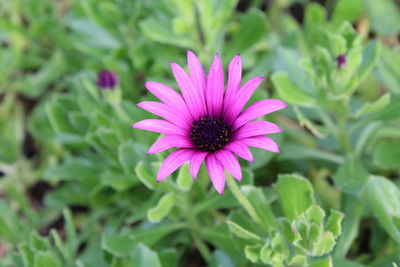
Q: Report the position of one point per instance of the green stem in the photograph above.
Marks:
(243, 200)
(343, 136)
(195, 229)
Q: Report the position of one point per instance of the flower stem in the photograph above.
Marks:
(243, 200)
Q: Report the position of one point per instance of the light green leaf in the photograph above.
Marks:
(240, 232)
(46, 259)
(145, 176)
(387, 155)
(289, 92)
(377, 105)
(296, 194)
(351, 177)
(119, 245)
(162, 209)
(142, 256)
(334, 223)
(384, 199)
(325, 244)
(252, 253)
(184, 179)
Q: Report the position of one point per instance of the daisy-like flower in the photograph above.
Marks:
(206, 123)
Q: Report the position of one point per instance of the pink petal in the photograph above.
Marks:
(234, 78)
(190, 94)
(197, 76)
(230, 162)
(159, 126)
(216, 172)
(167, 95)
(240, 149)
(195, 163)
(255, 128)
(241, 98)
(258, 109)
(262, 142)
(173, 162)
(166, 112)
(170, 141)
(215, 87)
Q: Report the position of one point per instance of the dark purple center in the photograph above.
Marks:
(210, 134)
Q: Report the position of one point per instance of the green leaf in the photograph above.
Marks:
(387, 71)
(387, 154)
(377, 105)
(184, 179)
(384, 199)
(163, 208)
(241, 232)
(296, 194)
(46, 259)
(370, 58)
(142, 256)
(315, 214)
(148, 179)
(351, 177)
(327, 262)
(289, 92)
(259, 202)
(324, 244)
(119, 245)
(252, 253)
(334, 223)
(347, 11)
(252, 29)
(384, 16)
(159, 31)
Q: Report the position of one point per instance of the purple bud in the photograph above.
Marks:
(107, 79)
(341, 61)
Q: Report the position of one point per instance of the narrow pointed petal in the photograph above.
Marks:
(170, 141)
(195, 163)
(215, 87)
(190, 94)
(240, 149)
(258, 109)
(173, 162)
(234, 78)
(167, 95)
(241, 98)
(159, 126)
(216, 172)
(168, 113)
(262, 142)
(198, 76)
(255, 128)
(230, 162)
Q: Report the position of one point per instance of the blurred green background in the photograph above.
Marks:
(77, 188)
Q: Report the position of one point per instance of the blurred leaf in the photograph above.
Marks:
(252, 29)
(295, 194)
(384, 16)
(387, 71)
(46, 259)
(387, 154)
(384, 199)
(162, 209)
(142, 256)
(351, 177)
(289, 92)
(241, 232)
(184, 179)
(377, 105)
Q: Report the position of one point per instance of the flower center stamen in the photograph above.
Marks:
(210, 134)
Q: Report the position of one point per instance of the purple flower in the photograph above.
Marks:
(206, 123)
(107, 79)
(341, 61)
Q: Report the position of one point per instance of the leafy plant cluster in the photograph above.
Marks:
(77, 188)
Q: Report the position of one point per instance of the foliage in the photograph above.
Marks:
(78, 190)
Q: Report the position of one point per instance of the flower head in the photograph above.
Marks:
(107, 79)
(341, 61)
(206, 123)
